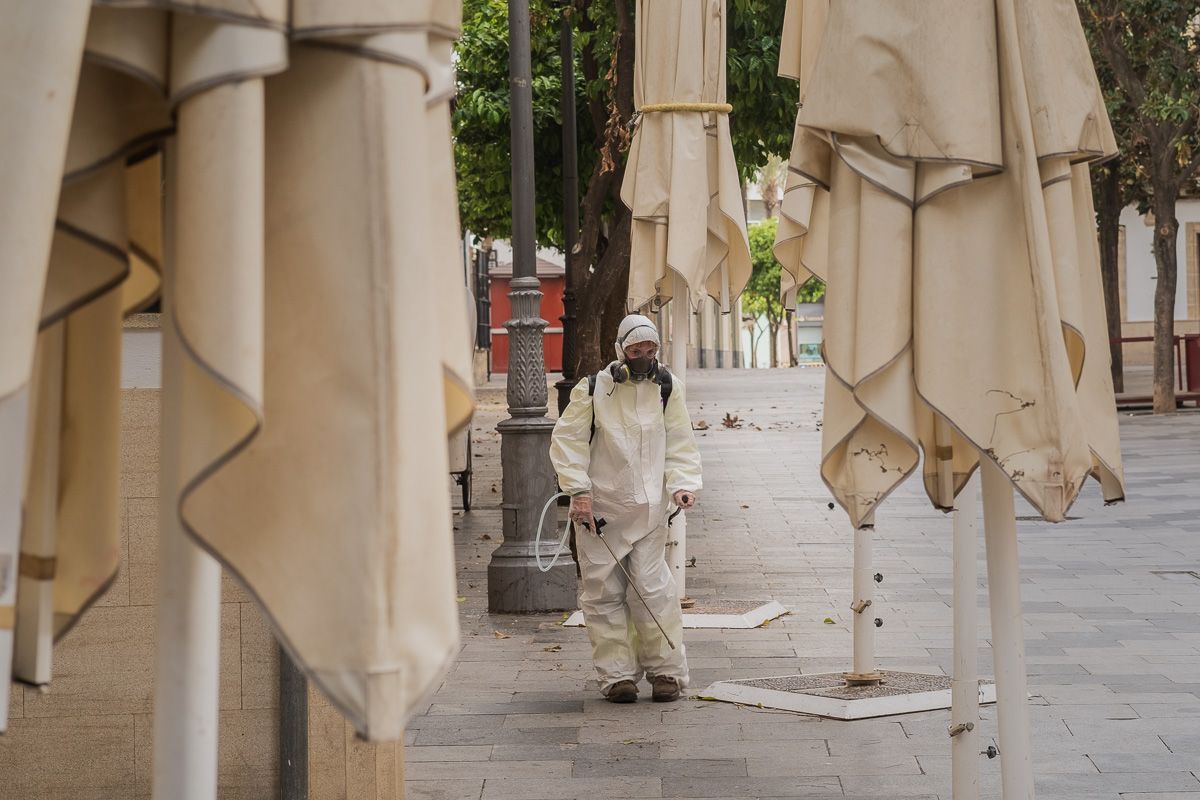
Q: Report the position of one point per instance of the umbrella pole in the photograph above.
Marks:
(964, 691)
(14, 428)
(677, 535)
(1008, 643)
(189, 590)
(864, 672)
(34, 645)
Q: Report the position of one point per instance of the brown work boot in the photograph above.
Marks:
(622, 692)
(666, 689)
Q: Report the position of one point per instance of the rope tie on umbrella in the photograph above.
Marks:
(655, 108)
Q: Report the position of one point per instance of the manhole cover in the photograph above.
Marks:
(715, 606)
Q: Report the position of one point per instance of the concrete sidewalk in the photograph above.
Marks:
(1112, 634)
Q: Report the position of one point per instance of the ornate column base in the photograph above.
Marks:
(515, 584)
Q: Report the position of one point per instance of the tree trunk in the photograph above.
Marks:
(1166, 229)
(773, 327)
(603, 303)
(770, 199)
(604, 243)
(1108, 213)
(754, 346)
(791, 337)
(591, 357)
(615, 309)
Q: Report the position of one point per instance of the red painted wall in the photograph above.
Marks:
(551, 310)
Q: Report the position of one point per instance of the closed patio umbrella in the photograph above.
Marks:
(314, 329)
(681, 182)
(939, 185)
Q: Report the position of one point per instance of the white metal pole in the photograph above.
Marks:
(189, 621)
(862, 606)
(964, 691)
(34, 646)
(46, 49)
(14, 428)
(680, 327)
(1008, 643)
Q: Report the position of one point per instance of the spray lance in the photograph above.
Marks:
(563, 547)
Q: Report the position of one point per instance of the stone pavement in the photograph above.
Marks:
(1112, 621)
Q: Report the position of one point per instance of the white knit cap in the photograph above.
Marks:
(635, 329)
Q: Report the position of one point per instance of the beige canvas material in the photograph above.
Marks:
(312, 244)
(942, 193)
(681, 182)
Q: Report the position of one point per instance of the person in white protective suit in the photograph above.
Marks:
(625, 452)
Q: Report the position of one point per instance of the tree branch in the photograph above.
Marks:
(1189, 171)
(1109, 21)
(591, 69)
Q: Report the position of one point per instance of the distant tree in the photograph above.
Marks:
(1150, 52)
(761, 298)
(771, 180)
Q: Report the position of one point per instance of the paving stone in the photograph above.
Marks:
(662, 767)
(442, 789)
(433, 771)
(447, 753)
(565, 789)
(752, 787)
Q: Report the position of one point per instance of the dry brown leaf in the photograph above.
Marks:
(554, 648)
(501, 635)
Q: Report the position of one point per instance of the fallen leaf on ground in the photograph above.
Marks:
(829, 621)
(554, 648)
(462, 599)
(701, 425)
(501, 635)
(730, 421)
(745, 506)
(486, 537)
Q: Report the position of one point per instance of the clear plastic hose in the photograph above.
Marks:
(563, 547)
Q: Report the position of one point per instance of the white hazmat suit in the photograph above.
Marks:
(640, 455)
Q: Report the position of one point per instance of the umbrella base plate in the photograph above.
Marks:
(716, 613)
(829, 695)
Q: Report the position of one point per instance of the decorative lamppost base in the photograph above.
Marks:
(515, 584)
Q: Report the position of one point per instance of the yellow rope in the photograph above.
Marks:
(721, 108)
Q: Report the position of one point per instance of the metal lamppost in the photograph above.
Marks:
(570, 169)
(293, 729)
(514, 582)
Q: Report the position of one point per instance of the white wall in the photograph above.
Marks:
(1140, 273)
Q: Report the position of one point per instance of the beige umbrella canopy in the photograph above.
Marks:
(311, 250)
(681, 182)
(947, 205)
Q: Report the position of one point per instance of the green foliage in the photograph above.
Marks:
(482, 120)
(761, 124)
(1147, 55)
(764, 104)
(761, 297)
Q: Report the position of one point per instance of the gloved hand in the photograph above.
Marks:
(684, 498)
(581, 510)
